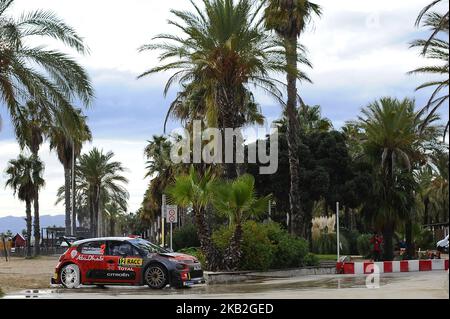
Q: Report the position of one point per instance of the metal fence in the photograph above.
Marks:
(45, 251)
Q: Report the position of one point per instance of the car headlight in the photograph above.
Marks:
(181, 264)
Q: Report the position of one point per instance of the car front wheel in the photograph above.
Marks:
(70, 276)
(156, 277)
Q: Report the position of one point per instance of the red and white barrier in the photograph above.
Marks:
(391, 266)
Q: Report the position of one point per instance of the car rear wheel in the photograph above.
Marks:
(70, 276)
(156, 277)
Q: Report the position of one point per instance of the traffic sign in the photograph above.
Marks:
(172, 214)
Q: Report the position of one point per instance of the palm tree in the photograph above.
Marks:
(423, 194)
(438, 190)
(32, 126)
(67, 137)
(238, 201)
(157, 153)
(114, 212)
(161, 170)
(311, 120)
(289, 18)
(25, 178)
(394, 144)
(353, 135)
(222, 51)
(47, 77)
(102, 181)
(436, 48)
(114, 204)
(190, 105)
(195, 189)
(439, 25)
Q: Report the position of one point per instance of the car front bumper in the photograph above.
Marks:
(183, 278)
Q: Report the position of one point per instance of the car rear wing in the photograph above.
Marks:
(66, 240)
(69, 240)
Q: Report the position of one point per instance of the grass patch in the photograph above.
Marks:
(327, 257)
(1, 293)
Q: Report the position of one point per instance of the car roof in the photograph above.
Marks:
(79, 242)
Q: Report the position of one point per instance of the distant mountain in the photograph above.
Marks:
(16, 224)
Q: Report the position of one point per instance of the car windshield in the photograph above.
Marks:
(148, 246)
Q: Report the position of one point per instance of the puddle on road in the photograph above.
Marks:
(257, 285)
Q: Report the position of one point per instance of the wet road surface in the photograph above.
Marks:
(401, 285)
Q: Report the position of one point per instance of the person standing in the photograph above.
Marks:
(376, 247)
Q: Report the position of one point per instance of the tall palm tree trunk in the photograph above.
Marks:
(37, 226)
(388, 236)
(233, 254)
(426, 204)
(29, 227)
(409, 240)
(96, 210)
(73, 206)
(204, 236)
(37, 230)
(99, 214)
(229, 114)
(112, 227)
(67, 179)
(93, 224)
(293, 130)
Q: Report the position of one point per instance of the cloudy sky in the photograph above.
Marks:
(359, 50)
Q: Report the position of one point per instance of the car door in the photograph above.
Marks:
(124, 262)
(91, 260)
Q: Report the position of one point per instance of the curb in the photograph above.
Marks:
(391, 266)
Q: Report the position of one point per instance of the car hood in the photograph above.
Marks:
(179, 256)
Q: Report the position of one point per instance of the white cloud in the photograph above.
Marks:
(363, 40)
(129, 152)
(349, 30)
(112, 29)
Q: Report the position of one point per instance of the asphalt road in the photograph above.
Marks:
(413, 285)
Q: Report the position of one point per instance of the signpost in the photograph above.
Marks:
(172, 218)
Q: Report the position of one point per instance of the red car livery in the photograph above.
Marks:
(125, 261)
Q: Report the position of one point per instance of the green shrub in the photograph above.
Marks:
(196, 252)
(1, 293)
(185, 236)
(267, 246)
(326, 244)
(311, 260)
(257, 250)
(290, 251)
(364, 245)
(221, 237)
